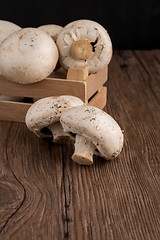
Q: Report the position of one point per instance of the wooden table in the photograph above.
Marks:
(45, 195)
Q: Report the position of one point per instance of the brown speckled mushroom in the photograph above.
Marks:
(46, 112)
(28, 55)
(93, 129)
(84, 42)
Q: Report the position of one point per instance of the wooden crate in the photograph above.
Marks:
(75, 82)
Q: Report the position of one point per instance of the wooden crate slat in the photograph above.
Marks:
(88, 88)
(45, 88)
(96, 81)
(16, 111)
(13, 111)
(78, 73)
(100, 99)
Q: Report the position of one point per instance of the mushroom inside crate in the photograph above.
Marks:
(6, 29)
(84, 42)
(27, 56)
(52, 29)
(45, 114)
(94, 131)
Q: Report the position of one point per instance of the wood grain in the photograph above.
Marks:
(45, 195)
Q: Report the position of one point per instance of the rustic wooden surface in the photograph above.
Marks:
(45, 195)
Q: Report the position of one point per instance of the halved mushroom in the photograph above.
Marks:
(52, 29)
(28, 55)
(45, 114)
(84, 42)
(93, 129)
(6, 29)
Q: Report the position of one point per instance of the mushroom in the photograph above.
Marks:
(52, 29)
(6, 29)
(84, 42)
(45, 114)
(94, 131)
(28, 55)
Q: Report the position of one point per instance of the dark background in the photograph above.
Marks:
(130, 24)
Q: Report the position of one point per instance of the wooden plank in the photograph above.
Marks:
(100, 99)
(45, 88)
(96, 81)
(13, 111)
(134, 101)
(78, 73)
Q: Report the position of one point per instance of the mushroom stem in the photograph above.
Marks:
(59, 136)
(84, 150)
(82, 49)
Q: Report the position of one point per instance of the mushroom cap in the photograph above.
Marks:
(52, 29)
(47, 111)
(98, 38)
(28, 55)
(7, 28)
(96, 126)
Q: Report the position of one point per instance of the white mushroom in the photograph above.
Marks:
(84, 42)
(93, 129)
(28, 55)
(52, 29)
(6, 29)
(45, 114)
